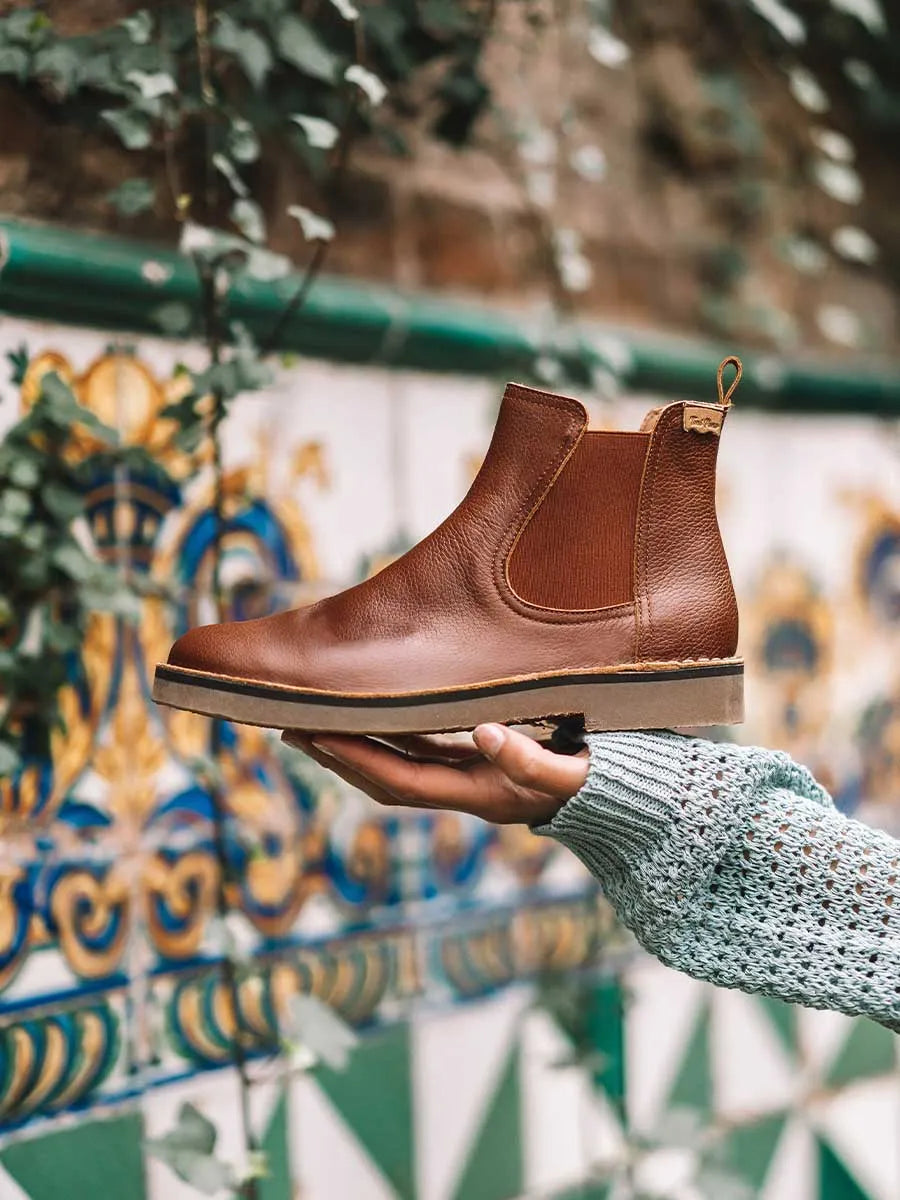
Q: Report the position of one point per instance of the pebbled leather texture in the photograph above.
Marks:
(445, 613)
(685, 602)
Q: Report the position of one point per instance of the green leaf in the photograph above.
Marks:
(248, 217)
(267, 266)
(213, 245)
(10, 760)
(193, 1131)
(226, 168)
(347, 10)
(101, 71)
(62, 501)
(367, 82)
(60, 64)
(34, 537)
(189, 438)
(216, 246)
(132, 196)
(58, 407)
(444, 17)
(132, 126)
(13, 61)
(24, 472)
(320, 134)
(14, 504)
(152, 85)
(18, 360)
(188, 1151)
(387, 29)
(110, 596)
(315, 228)
(247, 46)
(27, 26)
(257, 1166)
(35, 573)
(243, 144)
(254, 372)
(321, 1030)
(72, 561)
(61, 637)
(174, 318)
(300, 45)
(138, 27)
(57, 397)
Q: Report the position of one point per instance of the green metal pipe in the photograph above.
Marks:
(111, 283)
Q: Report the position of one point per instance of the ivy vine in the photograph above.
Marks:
(200, 96)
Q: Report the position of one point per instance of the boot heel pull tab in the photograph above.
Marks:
(731, 361)
(709, 418)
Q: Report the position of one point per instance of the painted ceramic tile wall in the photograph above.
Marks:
(423, 929)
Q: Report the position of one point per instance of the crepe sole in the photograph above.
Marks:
(648, 696)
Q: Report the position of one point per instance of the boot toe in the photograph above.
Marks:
(209, 648)
(251, 650)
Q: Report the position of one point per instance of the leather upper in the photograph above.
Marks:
(445, 613)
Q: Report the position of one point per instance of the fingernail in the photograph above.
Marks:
(489, 739)
(326, 749)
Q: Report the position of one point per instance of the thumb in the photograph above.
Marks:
(529, 765)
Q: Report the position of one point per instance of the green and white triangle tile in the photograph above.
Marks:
(868, 1050)
(9, 1188)
(793, 1169)
(692, 1086)
(567, 1124)
(821, 1034)
(327, 1159)
(217, 1096)
(80, 1162)
(752, 1069)
(605, 1016)
(278, 1183)
(458, 1062)
(784, 1020)
(493, 1169)
(858, 1126)
(587, 1190)
(750, 1148)
(836, 1181)
(374, 1098)
(661, 1018)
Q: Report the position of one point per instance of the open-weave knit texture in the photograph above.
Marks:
(732, 864)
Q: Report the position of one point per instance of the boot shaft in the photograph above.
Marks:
(630, 519)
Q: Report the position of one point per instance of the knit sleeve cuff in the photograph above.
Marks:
(626, 806)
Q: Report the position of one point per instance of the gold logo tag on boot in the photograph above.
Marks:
(701, 418)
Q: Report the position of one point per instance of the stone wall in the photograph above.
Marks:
(695, 196)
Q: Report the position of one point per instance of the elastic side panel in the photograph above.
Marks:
(577, 551)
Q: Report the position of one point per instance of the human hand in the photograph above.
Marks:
(499, 775)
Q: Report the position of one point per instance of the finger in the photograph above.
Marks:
(451, 748)
(432, 785)
(442, 747)
(304, 743)
(529, 764)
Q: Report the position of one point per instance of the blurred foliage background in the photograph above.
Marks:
(724, 167)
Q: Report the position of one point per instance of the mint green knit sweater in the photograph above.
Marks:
(732, 864)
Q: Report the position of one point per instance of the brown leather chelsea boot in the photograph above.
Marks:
(583, 574)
